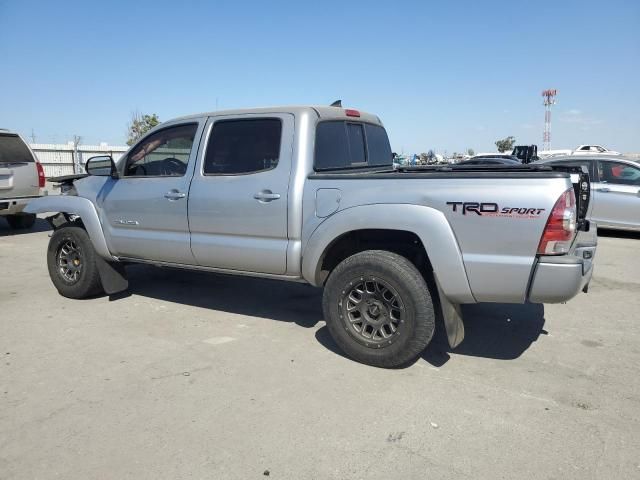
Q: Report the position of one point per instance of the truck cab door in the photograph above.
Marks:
(617, 195)
(144, 212)
(238, 197)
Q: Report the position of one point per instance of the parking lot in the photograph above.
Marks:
(198, 375)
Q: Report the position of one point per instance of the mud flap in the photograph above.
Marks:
(452, 319)
(112, 276)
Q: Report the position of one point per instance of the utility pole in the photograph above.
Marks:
(33, 136)
(549, 97)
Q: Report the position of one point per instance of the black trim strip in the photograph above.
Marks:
(10, 199)
(434, 174)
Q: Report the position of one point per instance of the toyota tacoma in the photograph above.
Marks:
(310, 194)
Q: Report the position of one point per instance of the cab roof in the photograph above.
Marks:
(322, 112)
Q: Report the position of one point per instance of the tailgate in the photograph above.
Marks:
(18, 172)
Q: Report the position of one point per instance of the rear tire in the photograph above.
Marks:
(71, 260)
(378, 309)
(21, 221)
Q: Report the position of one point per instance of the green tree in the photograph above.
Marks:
(470, 152)
(139, 125)
(506, 144)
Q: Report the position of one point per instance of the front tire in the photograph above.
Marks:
(21, 221)
(71, 260)
(378, 309)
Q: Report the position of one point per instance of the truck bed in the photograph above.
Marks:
(499, 250)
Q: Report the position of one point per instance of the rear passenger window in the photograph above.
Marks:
(243, 146)
(341, 144)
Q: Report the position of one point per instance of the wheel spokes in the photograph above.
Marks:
(373, 311)
(69, 261)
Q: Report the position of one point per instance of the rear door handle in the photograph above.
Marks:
(174, 195)
(266, 196)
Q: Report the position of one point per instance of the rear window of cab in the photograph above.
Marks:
(345, 144)
(13, 149)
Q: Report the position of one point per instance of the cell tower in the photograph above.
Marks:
(549, 99)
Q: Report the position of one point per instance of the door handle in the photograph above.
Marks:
(174, 195)
(266, 196)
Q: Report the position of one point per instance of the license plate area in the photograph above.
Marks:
(6, 178)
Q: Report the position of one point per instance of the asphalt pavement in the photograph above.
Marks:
(197, 375)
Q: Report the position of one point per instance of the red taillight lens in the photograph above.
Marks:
(351, 113)
(41, 178)
(561, 226)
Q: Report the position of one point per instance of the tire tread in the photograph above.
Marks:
(414, 285)
(89, 284)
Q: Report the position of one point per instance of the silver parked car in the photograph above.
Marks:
(615, 188)
(21, 179)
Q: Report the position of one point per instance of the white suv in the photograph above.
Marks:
(21, 179)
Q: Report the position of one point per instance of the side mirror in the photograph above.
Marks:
(101, 166)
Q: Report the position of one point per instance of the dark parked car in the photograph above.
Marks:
(491, 160)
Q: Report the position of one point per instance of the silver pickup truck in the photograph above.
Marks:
(310, 194)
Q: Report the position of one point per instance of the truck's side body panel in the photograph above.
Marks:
(498, 250)
(430, 225)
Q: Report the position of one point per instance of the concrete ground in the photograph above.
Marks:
(207, 376)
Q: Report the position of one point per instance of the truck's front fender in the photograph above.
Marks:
(79, 206)
(429, 224)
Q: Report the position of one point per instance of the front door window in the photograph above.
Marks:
(162, 154)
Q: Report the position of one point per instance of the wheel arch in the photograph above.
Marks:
(73, 205)
(425, 226)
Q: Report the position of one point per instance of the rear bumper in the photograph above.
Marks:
(11, 206)
(559, 278)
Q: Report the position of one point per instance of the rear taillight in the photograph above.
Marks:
(41, 178)
(561, 226)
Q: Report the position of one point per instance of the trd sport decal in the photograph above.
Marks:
(493, 210)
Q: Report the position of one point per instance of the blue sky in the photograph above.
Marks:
(442, 75)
